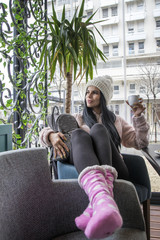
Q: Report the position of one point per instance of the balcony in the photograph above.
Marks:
(157, 33)
(88, 6)
(131, 52)
(135, 16)
(109, 21)
(110, 39)
(141, 51)
(156, 12)
(105, 3)
(136, 36)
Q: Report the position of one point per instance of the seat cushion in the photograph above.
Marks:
(121, 234)
(66, 171)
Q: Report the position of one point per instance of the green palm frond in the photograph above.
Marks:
(63, 14)
(71, 45)
(81, 11)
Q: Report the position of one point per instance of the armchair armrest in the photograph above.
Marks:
(72, 200)
(137, 170)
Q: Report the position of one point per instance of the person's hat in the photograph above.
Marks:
(104, 84)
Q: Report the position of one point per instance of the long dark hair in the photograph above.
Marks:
(108, 119)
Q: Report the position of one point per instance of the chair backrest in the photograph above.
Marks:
(24, 178)
(29, 198)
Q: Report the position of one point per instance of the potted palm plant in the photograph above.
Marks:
(71, 46)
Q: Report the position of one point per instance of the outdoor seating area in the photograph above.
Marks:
(79, 120)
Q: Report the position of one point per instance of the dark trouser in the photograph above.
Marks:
(96, 148)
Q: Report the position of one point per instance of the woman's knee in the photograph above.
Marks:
(80, 133)
(98, 129)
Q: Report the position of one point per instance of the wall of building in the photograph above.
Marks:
(132, 32)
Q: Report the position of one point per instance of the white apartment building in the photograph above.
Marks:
(132, 31)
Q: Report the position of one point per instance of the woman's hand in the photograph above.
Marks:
(59, 146)
(137, 108)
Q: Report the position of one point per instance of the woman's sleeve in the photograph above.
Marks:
(44, 137)
(136, 136)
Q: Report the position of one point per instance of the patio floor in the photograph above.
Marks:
(155, 222)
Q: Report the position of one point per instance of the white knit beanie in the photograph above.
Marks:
(104, 84)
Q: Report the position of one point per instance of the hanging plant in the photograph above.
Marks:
(27, 103)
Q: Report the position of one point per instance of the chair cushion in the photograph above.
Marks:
(66, 171)
(121, 234)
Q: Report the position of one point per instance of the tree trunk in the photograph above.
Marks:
(155, 121)
(68, 93)
(148, 109)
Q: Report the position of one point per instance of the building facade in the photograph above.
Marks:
(132, 31)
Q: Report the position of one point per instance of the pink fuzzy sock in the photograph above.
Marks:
(106, 218)
(83, 219)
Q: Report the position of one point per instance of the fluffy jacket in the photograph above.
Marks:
(136, 136)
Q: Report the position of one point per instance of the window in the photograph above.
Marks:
(76, 109)
(131, 48)
(116, 89)
(115, 50)
(114, 11)
(132, 88)
(130, 27)
(111, 108)
(106, 32)
(114, 30)
(89, 14)
(76, 93)
(140, 5)
(106, 50)
(105, 12)
(80, 109)
(158, 24)
(158, 45)
(157, 2)
(140, 26)
(117, 109)
(130, 7)
(141, 47)
(114, 108)
(142, 89)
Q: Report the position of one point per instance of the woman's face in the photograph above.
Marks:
(93, 98)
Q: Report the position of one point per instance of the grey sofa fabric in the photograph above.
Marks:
(32, 207)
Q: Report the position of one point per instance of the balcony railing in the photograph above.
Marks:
(136, 36)
(105, 3)
(135, 16)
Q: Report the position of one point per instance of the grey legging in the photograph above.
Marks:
(96, 148)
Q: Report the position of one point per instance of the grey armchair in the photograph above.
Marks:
(138, 176)
(33, 207)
